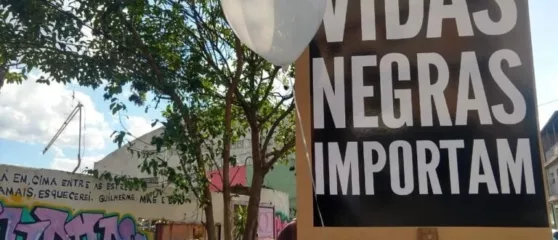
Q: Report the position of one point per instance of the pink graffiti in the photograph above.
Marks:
(279, 225)
(52, 224)
(12, 217)
(266, 223)
(269, 224)
(57, 220)
(83, 224)
(110, 226)
(32, 230)
(127, 230)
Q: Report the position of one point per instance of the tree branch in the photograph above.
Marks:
(185, 173)
(228, 110)
(227, 141)
(277, 107)
(275, 125)
(155, 68)
(276, 155)
(143, 48)
(201, 25)
(269, 86)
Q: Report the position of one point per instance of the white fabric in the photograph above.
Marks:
(277, 30)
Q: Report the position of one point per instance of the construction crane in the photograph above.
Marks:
(77, 109)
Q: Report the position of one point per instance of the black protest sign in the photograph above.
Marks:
(424, 114)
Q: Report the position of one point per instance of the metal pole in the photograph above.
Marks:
(64, 125)
(79, 142)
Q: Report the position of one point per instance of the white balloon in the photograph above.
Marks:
(277, 30)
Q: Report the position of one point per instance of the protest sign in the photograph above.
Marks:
(421, 114)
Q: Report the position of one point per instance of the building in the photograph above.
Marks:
(114, 206)
(280, 180)
(549, 137)
(281, 177)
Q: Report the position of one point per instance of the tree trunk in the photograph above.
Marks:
(205, 198)
(254, 205)
(225, 176)
(227, 204)
(256, 187)
(209, 217)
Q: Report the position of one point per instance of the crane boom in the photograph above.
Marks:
(77, 109)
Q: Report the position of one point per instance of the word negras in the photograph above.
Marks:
(420, 160)
(431, 95)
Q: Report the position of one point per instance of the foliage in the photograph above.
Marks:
(179, 57)
(240, 214)
(36, 34)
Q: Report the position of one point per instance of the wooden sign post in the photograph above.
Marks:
(421, 123)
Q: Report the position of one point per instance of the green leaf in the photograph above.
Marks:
(169, 70)
(154, 123)
(116, 108)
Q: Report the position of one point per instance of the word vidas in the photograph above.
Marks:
(438, 10)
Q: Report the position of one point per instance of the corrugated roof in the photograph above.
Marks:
(553, 118)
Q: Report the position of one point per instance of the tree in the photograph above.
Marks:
(37, 34)
(184, 53)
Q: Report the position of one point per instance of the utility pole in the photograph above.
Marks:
(77, 109)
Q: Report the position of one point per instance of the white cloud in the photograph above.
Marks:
(138, 126)
(33, 113)
(68, 164)
(57, 151)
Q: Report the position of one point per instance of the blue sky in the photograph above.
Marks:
(32, 113)
(37, 112)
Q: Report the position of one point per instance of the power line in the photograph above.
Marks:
(549, 102)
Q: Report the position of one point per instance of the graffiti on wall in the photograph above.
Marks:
(82, 192)
(50, 223)
(266, 224)
(281, 220)
(270, 223)
(61, 186)
(40, 204)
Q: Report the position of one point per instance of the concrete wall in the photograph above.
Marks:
(121, 161)
(552, 174)
(32, 199)
(280, 178)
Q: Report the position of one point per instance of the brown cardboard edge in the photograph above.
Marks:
(305, 228)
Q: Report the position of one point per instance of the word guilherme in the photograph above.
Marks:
(420, 159)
